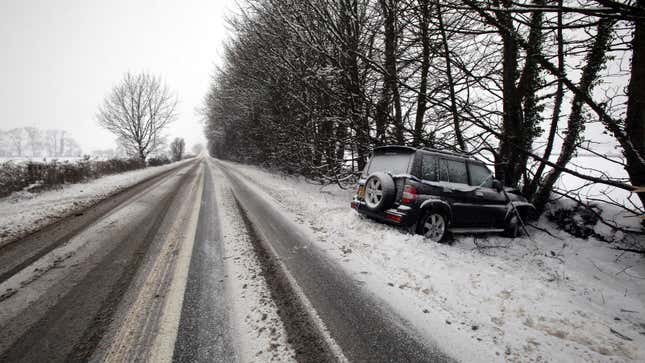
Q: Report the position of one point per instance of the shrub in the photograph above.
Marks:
(577, 220)
(13, 177)
(158, 160)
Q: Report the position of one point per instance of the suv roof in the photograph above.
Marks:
(409, 149)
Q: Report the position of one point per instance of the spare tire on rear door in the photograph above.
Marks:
(380, 192)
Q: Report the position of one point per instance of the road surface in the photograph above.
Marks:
(152, 274)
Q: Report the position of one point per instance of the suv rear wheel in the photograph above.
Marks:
(434, 226)
(380, 192)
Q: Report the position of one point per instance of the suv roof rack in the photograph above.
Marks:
(413, 149)
(447, 152)
(395, 147)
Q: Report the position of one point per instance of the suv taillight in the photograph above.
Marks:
(409, 194)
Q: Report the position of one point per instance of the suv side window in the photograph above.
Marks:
(480, 175)
(429, 168)
(453, 171)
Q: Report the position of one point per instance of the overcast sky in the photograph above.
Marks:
(60, 59)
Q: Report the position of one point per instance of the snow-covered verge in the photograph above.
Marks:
(548, 297)
(24, 212)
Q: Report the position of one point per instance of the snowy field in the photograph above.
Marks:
(541, 298)
(24, 212)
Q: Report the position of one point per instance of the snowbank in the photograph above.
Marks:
(547, 297)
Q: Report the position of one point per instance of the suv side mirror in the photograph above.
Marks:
(498, 185)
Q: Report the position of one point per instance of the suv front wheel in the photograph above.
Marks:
(512, 229)
(434, 226)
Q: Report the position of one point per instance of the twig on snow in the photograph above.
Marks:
(620, 335)
(545, 231)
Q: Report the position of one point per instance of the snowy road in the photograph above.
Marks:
(193, 264)
(360, 324)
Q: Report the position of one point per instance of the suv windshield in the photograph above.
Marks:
(393, 163)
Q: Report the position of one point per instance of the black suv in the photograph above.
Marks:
(435, 192)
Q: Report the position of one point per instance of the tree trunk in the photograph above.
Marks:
(575, 125)
(528, 87)
(341, 135)
(381, 115)
(351, 27)
(391, 81)
(635, 121)
(451, 83)
(424, 22)
(531, 188)
(512, 119)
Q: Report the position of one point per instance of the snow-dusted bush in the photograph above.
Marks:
(158, 160)
(13, 177)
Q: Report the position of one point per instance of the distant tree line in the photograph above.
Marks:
(31, 142)
(311, 86)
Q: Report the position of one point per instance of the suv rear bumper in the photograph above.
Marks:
(400, 216)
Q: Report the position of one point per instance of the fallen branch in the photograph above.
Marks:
(642, 252)
(600, 218)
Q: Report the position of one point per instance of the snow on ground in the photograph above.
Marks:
(259, 331)
(24, 212)
(543, 298)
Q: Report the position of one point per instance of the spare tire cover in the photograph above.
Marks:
(380, 192)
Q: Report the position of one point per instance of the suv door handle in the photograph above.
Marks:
(479, 193)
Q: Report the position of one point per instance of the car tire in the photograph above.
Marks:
(434, 226)
(380, 192)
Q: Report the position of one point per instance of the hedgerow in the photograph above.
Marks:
(33, 176)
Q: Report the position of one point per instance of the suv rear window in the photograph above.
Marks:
(393, 163)
(429, 168)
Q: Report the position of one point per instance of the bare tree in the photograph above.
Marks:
(34, 140)
(137, 110)
(70, 148)
(177, 148)
(16, 139)
(390, 96)
(52, 142)
(5, 144)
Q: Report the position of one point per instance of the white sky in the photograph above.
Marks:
(61, 58)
